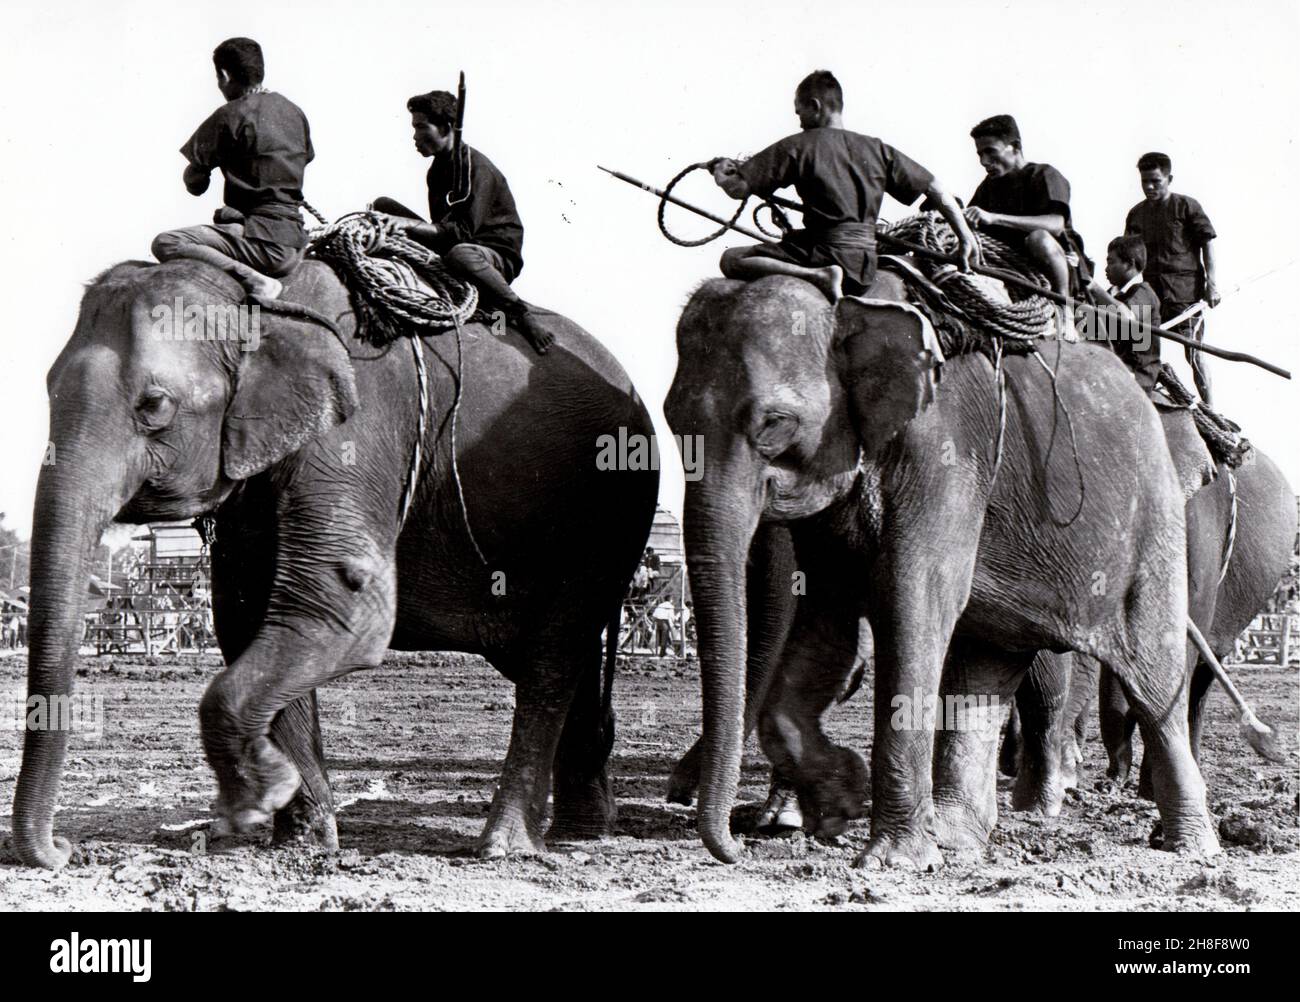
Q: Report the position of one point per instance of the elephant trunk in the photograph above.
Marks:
(718, 535)
(70, 514)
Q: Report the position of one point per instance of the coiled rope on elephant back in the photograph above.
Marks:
(398, 286)
(1222, 437)
(1024, 319)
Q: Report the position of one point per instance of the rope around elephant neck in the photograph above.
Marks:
(421, 427)
(413, 473)
(455, 469)
(1232, 526)
(1059, 401)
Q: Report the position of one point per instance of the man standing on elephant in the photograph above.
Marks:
(476, 230)
(841, 178)
(1179, 238)
(262, 144)
(1023, 204)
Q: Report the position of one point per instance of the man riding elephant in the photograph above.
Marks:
(349, 519)
(964, 561)
(841, 178)
(261, 142)
(476, 228)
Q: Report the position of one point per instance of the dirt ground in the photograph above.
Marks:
(415, 748)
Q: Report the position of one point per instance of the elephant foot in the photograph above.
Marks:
(908, 850)
(781, 813)
(1119, 768)
(584, 812)
(300, 825)
(1038, 794)
(959, 826)
(1194, 839)
(837, 793)
(1071, 760)
(685, 778)
(1145, 788)
(267, 780)
(509, 836)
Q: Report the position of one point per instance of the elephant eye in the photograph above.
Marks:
(776, 434)
(155, 408)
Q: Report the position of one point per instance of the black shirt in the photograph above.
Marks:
(841, 176)
(1145, 363)
(262, 144)
(1029, 190)
(488, 217)
(1174, 231)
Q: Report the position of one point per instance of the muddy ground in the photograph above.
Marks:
(415, 748)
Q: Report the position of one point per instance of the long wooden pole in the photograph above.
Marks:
(1005, 277)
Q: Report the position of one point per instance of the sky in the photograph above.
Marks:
(96, 98)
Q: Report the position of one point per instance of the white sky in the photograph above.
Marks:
(95, 99)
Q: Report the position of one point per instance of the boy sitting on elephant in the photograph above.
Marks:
(262, 144)
(477, 232)
(1132, 308)
(841, 178)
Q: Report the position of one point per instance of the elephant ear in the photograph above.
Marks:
(891, 362)
(297, 384)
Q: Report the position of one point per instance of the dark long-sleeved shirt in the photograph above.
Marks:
(261, 143)
(488, 217)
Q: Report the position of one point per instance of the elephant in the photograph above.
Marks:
(1053, 724)
(517, 544)
(966, 558)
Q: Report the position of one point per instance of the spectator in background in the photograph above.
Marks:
(664, 616)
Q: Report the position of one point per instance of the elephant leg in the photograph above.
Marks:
(1155, 691)
(1083, 692)
(345, 626)
(1009, 753)
(546, 680)
(781, 811)
(1117, 722)
(819, 657)
(912, 622)
(309, 817)
(243, 567)
(770, 608)
(1042, 700)
(977, 681)
(583, 792)
(1198, 697)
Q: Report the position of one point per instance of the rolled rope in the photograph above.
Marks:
(380, 264)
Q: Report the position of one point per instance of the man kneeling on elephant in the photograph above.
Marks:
(841, 177)
(476, 229)
(261, 142)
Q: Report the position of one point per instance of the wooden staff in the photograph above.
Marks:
(1007, 278)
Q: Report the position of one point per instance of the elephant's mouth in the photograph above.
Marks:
(789, 495)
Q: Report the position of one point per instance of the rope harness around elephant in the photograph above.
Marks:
(401, 289)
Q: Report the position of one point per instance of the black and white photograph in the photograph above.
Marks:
(726, 456)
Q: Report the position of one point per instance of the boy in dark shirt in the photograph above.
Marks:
(1026, 205)
(1179, 240)
(262, 144)
(841, 178)
(1135, 306)
(477, 232)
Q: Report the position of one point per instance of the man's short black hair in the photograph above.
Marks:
(241, 58)
(438, 106)
(1131, 250)
(822, 86)
(1156, 161)
(1000, 127)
